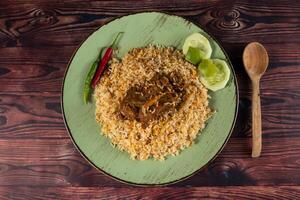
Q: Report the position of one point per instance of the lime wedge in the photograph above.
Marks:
(214, 74)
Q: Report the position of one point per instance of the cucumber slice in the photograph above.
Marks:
(197, 40)
(194, 55)
(208, 68)
(214, 74)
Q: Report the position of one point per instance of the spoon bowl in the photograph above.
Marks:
(256, 60)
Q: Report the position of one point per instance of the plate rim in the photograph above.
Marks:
(150, 184)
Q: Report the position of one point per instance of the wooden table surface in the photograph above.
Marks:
(38, 159)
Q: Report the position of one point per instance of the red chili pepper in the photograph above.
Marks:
(104, 61)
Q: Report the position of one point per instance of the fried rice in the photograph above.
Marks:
(166, 136)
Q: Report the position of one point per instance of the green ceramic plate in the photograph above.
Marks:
(140, 30)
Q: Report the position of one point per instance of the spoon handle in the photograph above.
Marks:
(256, 120)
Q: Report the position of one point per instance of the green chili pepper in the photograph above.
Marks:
(87, 84)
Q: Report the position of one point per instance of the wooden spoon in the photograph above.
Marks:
(256, 60)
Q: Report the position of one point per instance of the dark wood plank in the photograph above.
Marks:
(234, 166)
(43, 23)
(52, 162)
(31, 115)
(38, 114)
(42, 69)
(107, 193)
(47, 163)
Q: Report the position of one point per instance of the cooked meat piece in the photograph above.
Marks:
(150, 102)
(128, 111)
(160, 96)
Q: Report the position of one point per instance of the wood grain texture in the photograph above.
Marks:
(52, 162)
(109, 193)
(37, 159)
